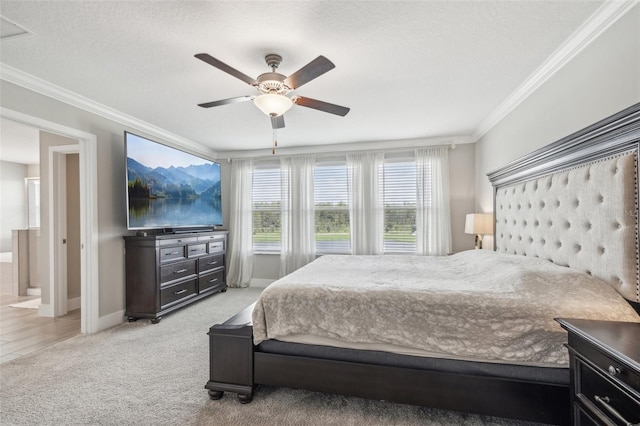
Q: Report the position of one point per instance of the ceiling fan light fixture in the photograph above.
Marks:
(273, 104)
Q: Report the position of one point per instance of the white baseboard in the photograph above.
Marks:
(110, 320)
(34, 291)
(260, 282)
(73, 304)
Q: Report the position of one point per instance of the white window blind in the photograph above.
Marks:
(267, 230)
(399, 192)
(331, 208)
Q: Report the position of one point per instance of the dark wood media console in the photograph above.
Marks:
(169, 271)
(236, 365)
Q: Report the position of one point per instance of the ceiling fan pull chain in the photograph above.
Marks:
(275, 141)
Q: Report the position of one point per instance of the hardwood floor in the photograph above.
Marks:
(22, 331)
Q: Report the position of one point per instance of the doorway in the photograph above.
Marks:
(64, 225)
(86, 149)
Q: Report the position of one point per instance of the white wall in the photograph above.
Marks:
(602, 80)
(13, 201)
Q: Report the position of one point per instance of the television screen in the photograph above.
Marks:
(168, 188)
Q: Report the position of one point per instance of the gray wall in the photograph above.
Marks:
(73, 225)
(602, 80)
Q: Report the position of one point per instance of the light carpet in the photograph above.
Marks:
(144, 374)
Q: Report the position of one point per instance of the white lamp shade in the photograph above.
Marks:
(479, 224)
(273, 104)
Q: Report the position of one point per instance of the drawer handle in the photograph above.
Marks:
(614, 370)
(604, 401)
(179, 271)
(195, 249)
(212, 263)
(172, 253)
(184, 290)
(213, 280)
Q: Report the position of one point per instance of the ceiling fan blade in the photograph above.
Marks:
(313, 69)
(277, 122)
(226, 68)
(226, 101)
(322, 106)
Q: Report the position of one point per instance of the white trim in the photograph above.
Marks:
(89, 260)
(111, 320)
(599, 22)
(73, 304)
(31, 82)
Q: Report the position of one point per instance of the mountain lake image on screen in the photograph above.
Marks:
(168, 188)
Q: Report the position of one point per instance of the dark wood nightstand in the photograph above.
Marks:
(605, 371)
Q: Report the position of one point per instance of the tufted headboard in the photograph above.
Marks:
(575, 203)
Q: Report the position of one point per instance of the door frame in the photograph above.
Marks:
(89, 277)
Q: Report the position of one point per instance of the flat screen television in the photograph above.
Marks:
(170, 190)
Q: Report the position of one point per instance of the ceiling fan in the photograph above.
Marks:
(273, 88)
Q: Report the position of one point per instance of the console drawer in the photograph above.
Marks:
(194, 250)
(210, 262)
(616, 369)
(216, 246)
(174, 241)
(178, 270)
(215, 279)
(171, 253)
(177, 292)
(598, 393)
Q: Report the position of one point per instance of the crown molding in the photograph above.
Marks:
(597, 23)
(38, 85)
(343, 148)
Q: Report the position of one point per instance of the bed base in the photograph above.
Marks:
(237, 366)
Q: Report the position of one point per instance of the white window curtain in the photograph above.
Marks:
(366, 213)
(433, 221)
(298, 213)
(240, 250)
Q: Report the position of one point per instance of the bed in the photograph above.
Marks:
(472, 332)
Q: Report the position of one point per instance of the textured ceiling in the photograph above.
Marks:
(415, 69)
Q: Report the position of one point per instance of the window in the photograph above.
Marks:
(398, 183)
(399, 192)
(331, 208)
(267, 230)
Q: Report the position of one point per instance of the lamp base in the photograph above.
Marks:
(478, 243)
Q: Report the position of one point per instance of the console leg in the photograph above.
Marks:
(245, 398)
(215, 394)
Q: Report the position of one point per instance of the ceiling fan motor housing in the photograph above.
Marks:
(272, 82)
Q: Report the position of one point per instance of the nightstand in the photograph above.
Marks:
(605, 371)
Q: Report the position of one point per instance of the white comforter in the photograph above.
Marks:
(477, 305)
